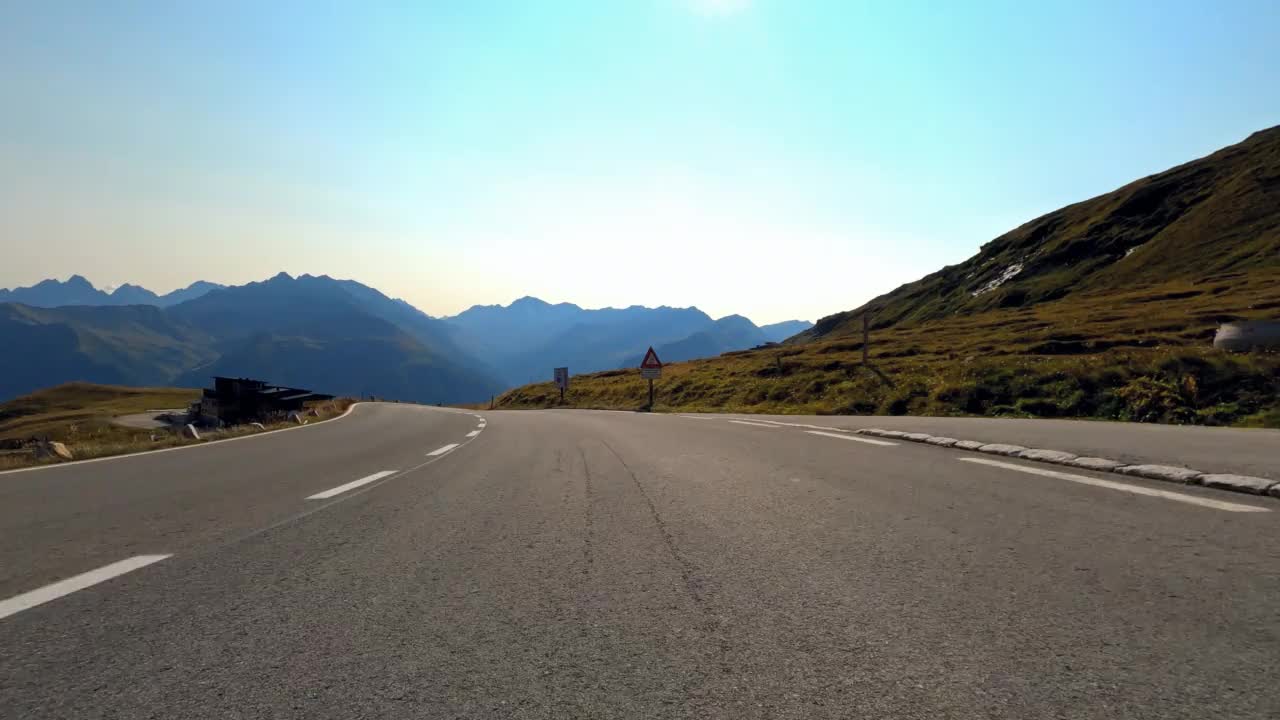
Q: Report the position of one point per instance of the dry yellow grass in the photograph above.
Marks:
(1143, 354)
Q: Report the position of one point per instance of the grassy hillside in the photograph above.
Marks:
(83, 406)
(1207, 219)
(1140, 354)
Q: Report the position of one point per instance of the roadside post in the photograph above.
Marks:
(562, 381)
(651, 369)
(866, 337)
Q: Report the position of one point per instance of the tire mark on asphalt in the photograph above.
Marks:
(688, 572)
(588, 516)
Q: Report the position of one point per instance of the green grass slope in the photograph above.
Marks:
(1208, 219)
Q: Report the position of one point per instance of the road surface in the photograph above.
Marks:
(417, 562)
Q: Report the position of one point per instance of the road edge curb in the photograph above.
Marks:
(1246, 484)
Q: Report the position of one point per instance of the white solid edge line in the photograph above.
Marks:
(803, 425)
(180, 447)
(351, 485)
(854, 438)
(753, 424)
(43, 595)
(443, 450)
(473, 433)
(696, 417)
(1135, 489)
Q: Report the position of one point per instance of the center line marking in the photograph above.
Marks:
(473, 433)
(351, 485)
(854, 438)
(1135, 489)
(443, 450)
(43, 595)
(754, 424)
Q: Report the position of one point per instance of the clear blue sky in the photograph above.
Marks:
(776, 158)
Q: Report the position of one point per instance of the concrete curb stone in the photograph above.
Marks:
(1001, 449)
(1050, 456)
(1239, 483)
(1095, 463)
(1162, 472)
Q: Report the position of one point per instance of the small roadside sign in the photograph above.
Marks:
(650, 361)
(651, 369)
(562, 380)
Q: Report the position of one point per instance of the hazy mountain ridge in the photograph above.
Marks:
(527, 338)
(339, 336)
(336, 336)
(732, 332)
(1198, 221)
(76, 290)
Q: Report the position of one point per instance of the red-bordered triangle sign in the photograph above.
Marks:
(650, 360)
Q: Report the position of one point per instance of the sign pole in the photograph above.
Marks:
(650, 394)
(866, 338)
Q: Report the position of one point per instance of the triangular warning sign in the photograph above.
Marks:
(650, 360)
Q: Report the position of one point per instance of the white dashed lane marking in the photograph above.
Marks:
(753, 424)
(351, 485)
(43, 595)
(443, 450)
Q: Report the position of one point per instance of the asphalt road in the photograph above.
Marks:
(599, 565)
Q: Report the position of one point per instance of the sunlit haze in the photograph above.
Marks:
(775, 159)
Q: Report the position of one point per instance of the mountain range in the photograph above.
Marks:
(76, 290)
(338, 336)
(523, 341)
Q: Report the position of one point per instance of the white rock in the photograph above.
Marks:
(1052, 456)
(53, 449)
(871, 431)
(1161, 472)
(892, 434)
(916, 437)
(941, 441)
(1095, 463)
(968, 445)
(1239, 483)
(1001, 449)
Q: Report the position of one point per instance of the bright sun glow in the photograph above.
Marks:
(720, 7)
